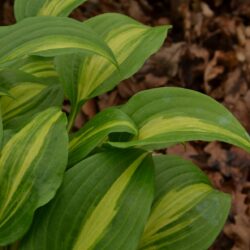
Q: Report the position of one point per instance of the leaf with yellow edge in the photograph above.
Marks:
(32, 164)
(131, 42)
(187, 213)
(166, 116)
(29, 8)
(103, 203)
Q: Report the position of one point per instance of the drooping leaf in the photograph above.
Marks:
(30, 8)
(32, 164)
(166, 116)
(131, 42)
(49, 36)
(96, 131)
(103, 203)
(28, 95)
(188, 213)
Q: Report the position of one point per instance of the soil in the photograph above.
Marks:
(207, 50)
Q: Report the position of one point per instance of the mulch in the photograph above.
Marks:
(207, 50)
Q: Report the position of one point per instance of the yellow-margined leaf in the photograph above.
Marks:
(187, 213)
(103, 203)
(29, 8)
(32, 164)
(49, 36)
(166, 116)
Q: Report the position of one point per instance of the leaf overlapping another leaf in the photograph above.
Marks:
(167, 116)
(49, 36)
(28, 95)
(103, 203)
(32, 164)
(30, 8)
(42, 67)
(96, 131)
(187, 212)
(131, 42)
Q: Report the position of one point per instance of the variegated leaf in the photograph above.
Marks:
(187, 213)
(7, 134)
(57, 35)
(29, 8)
(103, 203)
(96, 131)
(131, 42)
(166, 116)
(28, 95)
(37, 66)
(32, 164)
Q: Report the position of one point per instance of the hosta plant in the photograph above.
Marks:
(102, 187)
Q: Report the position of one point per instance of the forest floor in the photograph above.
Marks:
(207, 50)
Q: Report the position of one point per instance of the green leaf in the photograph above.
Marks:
(28, 95)
(96, 131)
(188, 213)
(32, 164)
(131, 42)
(103, 203)
(3, 92)
(7, 134)
(29, 8)
(167, 116)
(49, 36)
(1, 128)
(37, 66)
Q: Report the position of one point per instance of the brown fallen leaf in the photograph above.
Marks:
(240, 229)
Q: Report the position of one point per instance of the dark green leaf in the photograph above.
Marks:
(29, 8)
(96, 131)
(166, 116)
(103, 204)
(32, 164)
(188, 213)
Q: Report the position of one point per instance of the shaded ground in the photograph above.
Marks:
(208, 50)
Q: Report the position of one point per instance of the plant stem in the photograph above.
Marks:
(72, 116)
